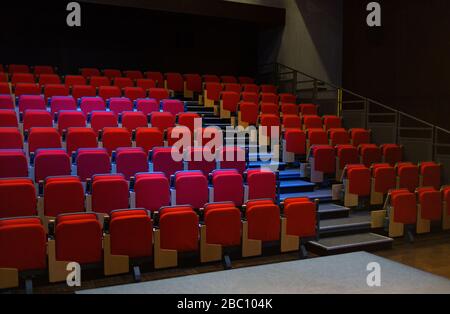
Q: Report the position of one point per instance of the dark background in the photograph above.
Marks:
(404, 64)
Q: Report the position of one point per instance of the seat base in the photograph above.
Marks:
(114, 264)
(57, 270)
(423, 225)
(164, 258)
(249, 247)
(9, 278)
(208, 252)
(289, 243)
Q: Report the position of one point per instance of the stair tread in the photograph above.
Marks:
(353, 221)
(353, 240)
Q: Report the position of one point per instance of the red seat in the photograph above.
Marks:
(213, 91)
(145, 84)
(70, 119)
(119, 105)
(232, 87)
(107, 92)
(22, 78)
(198, 161)
(246, 80)
(360, 136)
(3, 77)
(123, 82)
(147, 106)
(46, 79)
(17, 198)
(288, 98)
(89, 104)
(51, 163)
(208, 78)
(148, 138)
(347, 155)
(179, 229)
(223, 225)
(312, 122)
(430, 173)
(269, 108)
(191, 189)
(114, 138)
(18, 68)
(359, 180)
(268, 89)
(133, 120)
(261, 184)
(131, 160)
(52, 90)
(233, 157)
(193, 82)
(72, 80)
(112, 73)
(228, 186)
(162, 120)
(157, 77)
(384, 177)
(109, 192)
(43, 138)
(92, 161)
(430, 201)
(308, 110)
(23, 244)
(37, 118)
(173, 106)
(289, 109)
(392, 153)
(6, 102)
(446, 197)
(59, 103)
(10, 138)
(13, 163)
(230, 101)
(98, 81)
(250, 88)
(78, 238)
(134, 75)
(324, 158)
(292, 121)
(317, 137)
(250, 97)
(332, 122)
(370, 154)
(272, 124)
(27, 102)
(4, 88)
(263, 221)
(269, 98)
(103, 119)
(134, 93)
(408, 176)
(163, 161)
(43, 70)
(90, 72)
(189, 120)
(8, 119)
(404, 203)
(80, 138)
(301, 215)
(63, 195)
(158, 93)
(228, 79)
(249, 112)
(339, 137)
(79, 91)
(131, 233)
(295, 141)
(152, 191)
(175, 82)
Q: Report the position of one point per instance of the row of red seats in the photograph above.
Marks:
(132, 235)
(22, 68)
(108, 192)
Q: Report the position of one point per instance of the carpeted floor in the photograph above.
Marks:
(334, 274)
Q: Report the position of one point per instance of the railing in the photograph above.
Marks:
(422, 141)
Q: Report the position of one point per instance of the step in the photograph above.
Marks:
(323, 195)
(333, 211)
(290, 174)
(355, 223)
(368, 242)
(296, 186)
(276, 166)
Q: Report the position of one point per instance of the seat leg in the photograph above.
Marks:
(303, 252)
(227, 262)
(409, 235)
(137, 273)
(29, 286)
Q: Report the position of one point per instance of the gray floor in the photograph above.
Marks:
(334, 274)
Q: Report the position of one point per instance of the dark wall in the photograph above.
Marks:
(127, 38)
(405, 63)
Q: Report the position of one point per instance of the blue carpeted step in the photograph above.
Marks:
(290, 174)
(296, 186)
(274, 166)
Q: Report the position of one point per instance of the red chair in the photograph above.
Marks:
(175, 82)
(52, 90)
(162, 120)
(98, 81)
(13, 163)
(90, 72)
(401, 209)
(147, 106)
(338, 137)
(63, 195)
(107, 92)
(134, 93)
(370, 154)
(43, 138)
(345, 155)
(158, 93)
(131, 160)
(17, 198)
(407, 176)
(109, 193)
(103, 119)
(384, 179)
(77, 138)
(332, 122)
(261, 184)
(429, 208)
(51, 163)
(163, 161)
(112, 73)
(113, 138)
(269, 98)
(72, 80)
(151, 191)
(157, 77)
(6, 102)
(149, 138)
(191, 188)
(92, 161)
(357, 184)
(323, 162)
(392, 153)
(79, 91)
(212, 93)
(360, 136)
(228, 186)
(247, 114)
(8, 119)
(430, 175)
(134, 120)
(70, 119)
(134, 75)
(123, 82)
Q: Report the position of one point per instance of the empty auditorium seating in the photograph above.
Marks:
(148, 138)
(401, 211)
(51, 163)
(37, 118)
(91, 161)
(77, 238)
(8, 118)
(162, 120)
(113, 138)
(123, 82)
(23, 248)
(228, 79)
(221, 229)
(231, 157)
(177, 233)
(3, 77)
(269, 98)
(10, 138)
(445, 207)
(133, 120)
(109, 192)
(134, 75)
(18, 68)
(248, 114)
(69, 119)
(112, 73)
(408, 176)
(4, 88)
(312, 122)
(147, 106)
(316, 137)
(384, 179)
(357, 183)
(63, 195)
(163, 161)
(392, 153)
(345, 155)
(27, 102)
(430, 175)
(261, 184)
(79, 91)
(228, 186)
(188, 120)
(13, 163)
(294, 144)
(107, 92)
(323, 162)
(90, 72)
(429, 208)
(232, 87)
(131, 160)
(152, 191)
(134, 93)
(360, 136)
(291, 109)
(158, 93)
(173, 106)
(145, 84)
(250, 88)
(98, 81)
(197, 160)
(17, 198)
(192, 84)
(58, 103)
(268, 89)
(338, 137)
(229, 104)
(210, 78)
(22, 78)
(52, 90)
(175, 82)
(103, 119)
(288, 98)
(191, 188)
(262, 224)
(43, 138)
(212, 93)
(332, 122)
(43, 70)
(89, 104)
(46, 79)
(72, 80)
(370, 154)
(269, 108)
(6, 102)
(272, 124)
(157, 77)
(80, 138)
(119, 105)
(292, 121)
(246, 80)
(250, 97)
